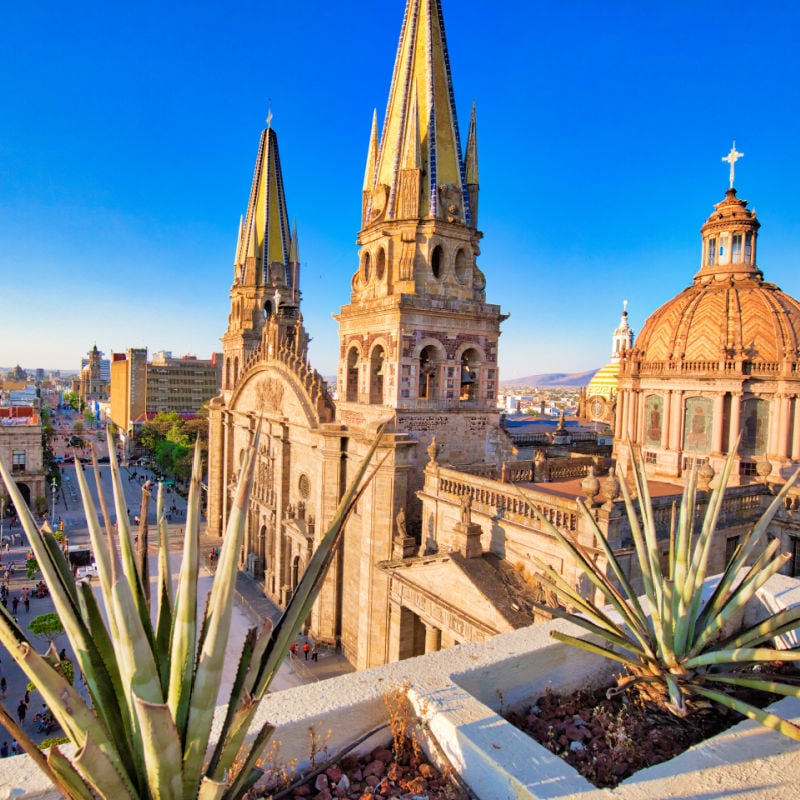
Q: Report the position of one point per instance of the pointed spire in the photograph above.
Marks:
(294, 248)
(372, 154)
(421, 96)
(471, 158)
(265, 229)
(471, 166)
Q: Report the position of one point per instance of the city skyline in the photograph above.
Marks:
(129, 137)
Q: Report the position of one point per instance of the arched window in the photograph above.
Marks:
(380, 264)
(469, 375)
(235, 369)
(698, 417)
(437, 261)
(462, 266)
(428, 373)
(351, 377)
(754, 427)
(367, 268)
(228, 373)
(377, 366)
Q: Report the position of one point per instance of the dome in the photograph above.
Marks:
(729, 313)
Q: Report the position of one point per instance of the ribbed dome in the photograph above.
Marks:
(746, 319)
(729, 313)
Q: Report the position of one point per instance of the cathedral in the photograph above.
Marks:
(440, 547)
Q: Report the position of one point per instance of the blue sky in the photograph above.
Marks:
(128, 135)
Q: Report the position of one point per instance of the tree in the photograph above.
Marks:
(78, 427)
(40, 505)
(48, 626)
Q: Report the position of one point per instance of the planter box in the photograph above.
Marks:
(459, 691)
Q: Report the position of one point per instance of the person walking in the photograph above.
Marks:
(3, 686)
(22, 710)
(306, 648)
(4, 750)
(15, 604)
(314, 652)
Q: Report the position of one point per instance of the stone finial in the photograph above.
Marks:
(705, 475)
(433, 450)
(763, 468)
(610, 490)
(590, 485)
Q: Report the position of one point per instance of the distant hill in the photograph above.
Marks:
(553, 379)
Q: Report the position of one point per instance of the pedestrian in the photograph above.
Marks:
(15, 605)
(22, 710)
(4, 750)
(15, 748)
(63, 654)
(26, 601)
(306, 648)
(314, 652)
(27, 697)
(3, 686)
(293, 648)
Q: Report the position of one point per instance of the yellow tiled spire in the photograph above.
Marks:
(420, 120)
(264, 236)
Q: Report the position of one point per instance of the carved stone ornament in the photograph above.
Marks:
(590, 485)
(380, 198)
(270, 395)
(704, 476)
(449, 202)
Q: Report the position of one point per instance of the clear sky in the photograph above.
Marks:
(128, 135)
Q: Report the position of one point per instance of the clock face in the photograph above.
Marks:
(597, 407)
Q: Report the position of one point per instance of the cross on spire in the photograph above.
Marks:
(732, 158)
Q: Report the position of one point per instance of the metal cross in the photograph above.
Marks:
(732, 158)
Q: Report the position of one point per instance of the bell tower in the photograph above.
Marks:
(418, 335)
(265, 295)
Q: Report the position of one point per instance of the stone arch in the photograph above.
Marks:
(470, 361)
(376, 373)
(351, 367)
(380, 264)
(429, 360)
(366, 266)
(437, 261)
(462, 265)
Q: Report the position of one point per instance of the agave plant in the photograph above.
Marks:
(675, 646)
(153, 685)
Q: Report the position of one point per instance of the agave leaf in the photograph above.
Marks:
(163, 754)
(236, 703)
(610, 635)
(184, 615)
(68, 779)
(164, 597)
(739, 600)
(247, 773)
(101, 773)
(783, 621)
(211, 790)
(615, 655)
(208, 672)
(758, 683)
(595, 575)
(741, 655)
(766, 718)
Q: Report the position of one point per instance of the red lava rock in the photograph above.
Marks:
(334, 773)
(372, 780)
(575, 733)
(375, 767)
(324, 795)
(356, 774)
(302, 791)
(321, 782)
(382, 754)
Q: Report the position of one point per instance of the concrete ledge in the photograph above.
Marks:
(458, 693)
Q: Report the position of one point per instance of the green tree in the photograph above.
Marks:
(48, 626)
(78, 427)
(40, 505)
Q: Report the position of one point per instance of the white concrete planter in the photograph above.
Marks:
(458, 693)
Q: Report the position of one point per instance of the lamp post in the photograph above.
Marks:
(53, 486)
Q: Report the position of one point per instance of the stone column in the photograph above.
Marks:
(433, 638)
(675, 420)
(736, 412)
(666, 410)
(716, 426)
(784, 409)
(796, 429)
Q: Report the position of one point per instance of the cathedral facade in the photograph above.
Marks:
(418, 349)
(441, 546)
